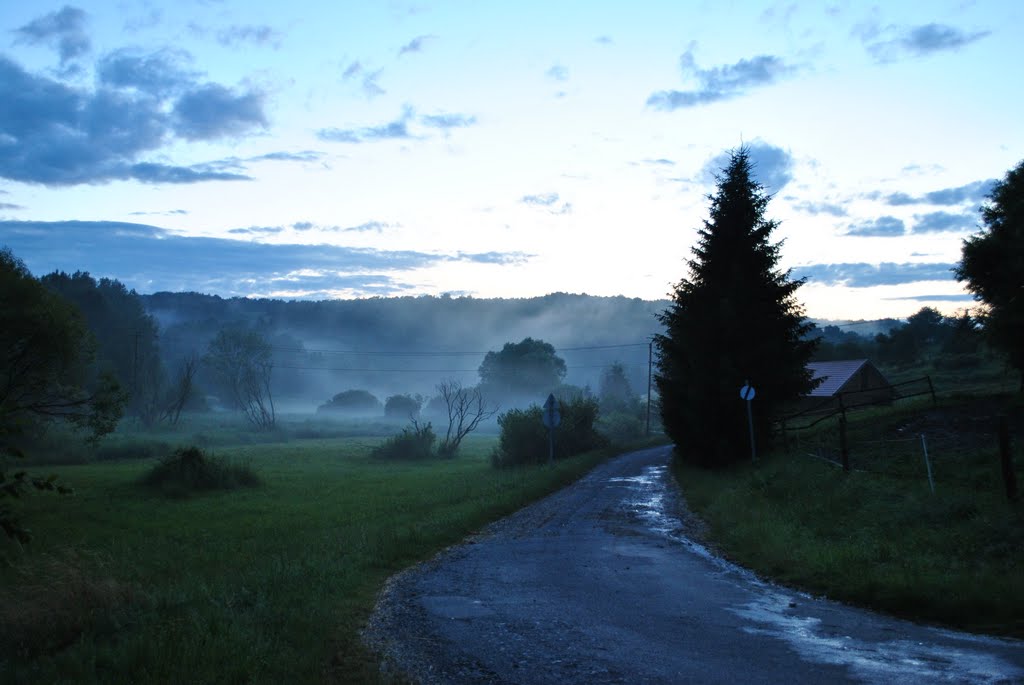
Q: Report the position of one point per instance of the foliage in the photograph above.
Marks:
(465, 409)
(529, 368)
(403, 406)
(992, 264)
(735, 319)
(615, 393)
(360, 402)
(242, 359)
(45, 377)
(524, 439)
(188, 470)
(415, 443)
(620, 427)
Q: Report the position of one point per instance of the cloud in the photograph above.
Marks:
(397, 129)
(8, 205)
(149, 259)
(916, 41)
(369, 226)
(447, 121)
(169, 212)
(720, 83)
(212, 111)
(64, 30)
(817, 208)
(57, 135)
(369, 78)
(160, 73)
(548, 201)
(414, 45)
(302, 225)
(604, 40)
(772, 166)
(255, 35)
(558, 73)
(886, 226)
(934, 298)
(935, 222)
(661, 161)
(863, 275)
(257, 230)
(301, 156)
(974, 193)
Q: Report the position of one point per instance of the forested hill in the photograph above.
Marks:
(378, 333)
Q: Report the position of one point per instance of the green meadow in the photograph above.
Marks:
(265, 584)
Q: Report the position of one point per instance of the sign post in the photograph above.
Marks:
(551, 417)
(747, 393)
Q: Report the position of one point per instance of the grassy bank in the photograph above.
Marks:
(265, 584)
(878, 536)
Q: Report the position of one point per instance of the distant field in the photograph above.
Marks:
(264, 585)
(878, 536)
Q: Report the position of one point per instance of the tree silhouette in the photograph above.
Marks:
(735, 319)
(992, 264)
(522, 370)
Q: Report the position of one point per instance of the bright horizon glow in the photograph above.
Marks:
(500, 150)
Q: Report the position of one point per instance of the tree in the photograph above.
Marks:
(403, 406)
(525, 369)
(615, 393)
(466, 410)
(735, 319)
(241, 359)
(352, 402)
(992, 263)
(45, 376)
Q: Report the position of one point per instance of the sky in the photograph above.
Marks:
(494, 149)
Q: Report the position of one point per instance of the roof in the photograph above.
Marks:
(836, 375)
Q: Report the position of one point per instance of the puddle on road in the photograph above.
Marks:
(965, 658)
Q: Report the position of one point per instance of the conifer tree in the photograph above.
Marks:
(734, 319)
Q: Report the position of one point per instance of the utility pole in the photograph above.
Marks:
(650, 364)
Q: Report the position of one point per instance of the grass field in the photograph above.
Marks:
(878, 536)
(267, 585)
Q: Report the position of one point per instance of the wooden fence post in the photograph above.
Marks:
(1006, 460)
(931, 389)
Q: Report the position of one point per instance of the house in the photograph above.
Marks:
(847, 384)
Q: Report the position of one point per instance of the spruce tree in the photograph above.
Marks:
(734, 319)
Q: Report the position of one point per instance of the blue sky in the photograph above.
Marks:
(350, 149)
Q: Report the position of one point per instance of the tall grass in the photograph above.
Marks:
(260, 585)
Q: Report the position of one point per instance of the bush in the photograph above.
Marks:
(412, 444)
(351, 402)
(524, 439)
(402, 407)
(620, 427)
(188, 470)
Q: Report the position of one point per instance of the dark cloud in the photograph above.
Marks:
(160, 73)
(558, 73)
(254, 35)
(886, 226)
(772, 166)
(397, 129)
(916, 41)
(817, 208)
(212, 111)
(934, 298)
(862, 275)
(414, 45)
(302, 225)
(64, 29)
(974, 193)
(57, 135)
(149, 259)
(447, 121)
(720, 83)
(935, 222)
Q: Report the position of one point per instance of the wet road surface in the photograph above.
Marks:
(599, 583)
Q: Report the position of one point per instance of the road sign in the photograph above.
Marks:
(747, 392)
(551, 416)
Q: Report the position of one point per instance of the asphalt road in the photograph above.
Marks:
(600, 583)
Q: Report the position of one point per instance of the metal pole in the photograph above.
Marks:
(928, 464)
(750, 425)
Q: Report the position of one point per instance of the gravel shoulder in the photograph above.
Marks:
(606, 582)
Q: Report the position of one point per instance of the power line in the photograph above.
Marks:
(370, 370)
(443, 354)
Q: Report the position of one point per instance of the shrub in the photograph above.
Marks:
(351, 402)
(402, 407)
(620, 427)
(188, 470)
(524, 439)
(412, 444)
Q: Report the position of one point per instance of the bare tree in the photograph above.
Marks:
(466, 410)
(182, 389)
(242, 359)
